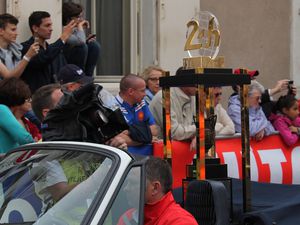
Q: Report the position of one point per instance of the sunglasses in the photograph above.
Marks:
(154, 79)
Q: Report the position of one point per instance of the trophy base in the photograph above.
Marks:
(203, 62)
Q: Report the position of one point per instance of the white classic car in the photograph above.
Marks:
(70, 183)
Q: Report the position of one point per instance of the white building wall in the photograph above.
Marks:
(295, 43)
(23, 8)
(173, 17)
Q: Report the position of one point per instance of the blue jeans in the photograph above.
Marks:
(141, 150)
(85, 56)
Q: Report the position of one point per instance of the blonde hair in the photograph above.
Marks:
(146, 73)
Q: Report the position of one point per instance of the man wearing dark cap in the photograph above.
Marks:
(71, 119)
(72, 77)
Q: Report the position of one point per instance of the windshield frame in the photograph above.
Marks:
(141, 164)
(112, 153)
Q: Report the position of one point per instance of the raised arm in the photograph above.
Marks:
(52, 50)
(18, 70)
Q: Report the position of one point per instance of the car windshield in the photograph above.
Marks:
(46, 186)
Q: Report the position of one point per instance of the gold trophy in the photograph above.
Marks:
(203, 54)
(206, 69)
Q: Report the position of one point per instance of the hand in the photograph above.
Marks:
(91, 37)
(68, 30)
(36, 139)
(117, 142)
(293, 129)
(259, 136)
(294, 90)
(33, 50)
(125, 132)
(193, 144)
(155, 139)
(280, 86)
(83, 24)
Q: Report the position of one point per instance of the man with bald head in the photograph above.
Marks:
(137, 114)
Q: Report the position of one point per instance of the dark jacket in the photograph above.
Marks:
(81, 116)
(267, 104)
(44, 65)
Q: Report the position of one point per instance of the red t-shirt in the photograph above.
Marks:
(32, 129)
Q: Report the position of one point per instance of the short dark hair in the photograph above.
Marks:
(7, 18)
(36, 18)
(128, 82)
(286, 101)
(13, 92)
(42, 99)
(159, 170)
(69, 10)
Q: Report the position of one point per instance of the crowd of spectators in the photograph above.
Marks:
(61, 72)
(70, 62)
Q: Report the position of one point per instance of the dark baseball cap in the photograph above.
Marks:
(72, 73)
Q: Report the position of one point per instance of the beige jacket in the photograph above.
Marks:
(224, 125)
(182, 112)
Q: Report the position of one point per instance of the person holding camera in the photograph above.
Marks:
(42, 67)
(78, 113)
(267, 98)
(11, 63)
(80, 50)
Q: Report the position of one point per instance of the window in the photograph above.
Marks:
(48, 186)
(127, 205)
(127, 33)
(107, 21)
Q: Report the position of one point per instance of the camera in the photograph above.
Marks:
(290, 86)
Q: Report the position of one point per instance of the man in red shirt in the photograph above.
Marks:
(160, 207)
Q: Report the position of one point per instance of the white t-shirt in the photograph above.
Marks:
(48, 174)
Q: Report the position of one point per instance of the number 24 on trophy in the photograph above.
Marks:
(208, 36)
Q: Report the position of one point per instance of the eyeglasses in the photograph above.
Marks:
(218, 94)
(256, 98)
(154, 79)
(29, 100)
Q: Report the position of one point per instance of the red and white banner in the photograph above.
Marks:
(271, 160)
